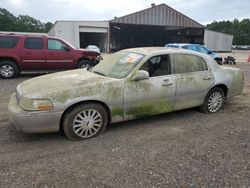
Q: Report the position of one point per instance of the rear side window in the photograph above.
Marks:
(185, 63)
(202, 64)
(33, 43)
(8, 42)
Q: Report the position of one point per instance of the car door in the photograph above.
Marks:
(154, 95)
(58, 55)
(193, 77)
(33, 53)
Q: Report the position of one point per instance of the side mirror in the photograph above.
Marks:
(66, 48)
(141, 75)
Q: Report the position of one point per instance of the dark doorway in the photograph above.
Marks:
(130, 35)
(98, 39)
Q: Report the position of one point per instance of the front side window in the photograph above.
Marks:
(8, 42)
(33, 43)
(185, 63)
(118, 65)
(55, 45)
(157, 66)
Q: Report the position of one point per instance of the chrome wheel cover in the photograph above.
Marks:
(87, 123)
(6, 71)
(215, 102)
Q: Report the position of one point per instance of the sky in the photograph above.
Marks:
(202, 11)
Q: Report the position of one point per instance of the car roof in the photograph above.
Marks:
(21, 35)
(183, 44)
(154, 51)
(92, 46)
(159, 50)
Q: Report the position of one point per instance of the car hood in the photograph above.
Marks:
(88, 50)
(43, 86)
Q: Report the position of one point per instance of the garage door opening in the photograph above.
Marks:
(98, 39)
(130, 35)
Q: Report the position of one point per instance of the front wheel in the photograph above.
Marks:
(84, 64)
(85, 121)
(213, 101)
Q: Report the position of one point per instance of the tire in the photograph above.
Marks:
(8, 69)
(85, 121)
(210, 106)
(84, 64)
(218, 61)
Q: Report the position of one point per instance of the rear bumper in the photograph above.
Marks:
(33, 122)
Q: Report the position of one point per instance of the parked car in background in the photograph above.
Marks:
(197, 48)
(93, 48)
(129, 84)
(40, 53)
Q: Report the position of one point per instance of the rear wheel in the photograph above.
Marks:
(84, 64)
(213, 101)
(85, 121)
(8, 69)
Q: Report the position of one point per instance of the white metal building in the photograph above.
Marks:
(217, 41)
(94, 32)
(154, 26)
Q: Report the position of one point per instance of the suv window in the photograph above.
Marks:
(185, 63)
(33, 43)
(157, 66)
(8, 42)
(55, 45)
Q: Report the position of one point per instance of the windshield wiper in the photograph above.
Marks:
(99, 73)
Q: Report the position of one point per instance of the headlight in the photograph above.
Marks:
(35, 104)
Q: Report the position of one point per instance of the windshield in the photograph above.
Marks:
(118, 65)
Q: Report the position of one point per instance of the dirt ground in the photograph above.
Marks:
(180, 149)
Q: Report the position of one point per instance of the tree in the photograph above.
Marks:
(22, 23)
(7, 20)
(239, 29)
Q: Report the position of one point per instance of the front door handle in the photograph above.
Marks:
(166, 82)
(207, 78)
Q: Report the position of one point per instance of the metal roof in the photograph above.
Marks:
(160, 15)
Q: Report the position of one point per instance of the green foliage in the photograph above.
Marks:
(21, 23)
(239, 29)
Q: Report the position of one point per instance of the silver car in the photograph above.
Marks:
(129, 84)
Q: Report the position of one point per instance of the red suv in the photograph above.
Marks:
(32, 53)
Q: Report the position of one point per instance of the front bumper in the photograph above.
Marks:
(33, 122)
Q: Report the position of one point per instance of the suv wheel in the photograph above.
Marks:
(8, 69)
(84, 64)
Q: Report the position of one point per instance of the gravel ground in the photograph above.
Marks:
(180, 149)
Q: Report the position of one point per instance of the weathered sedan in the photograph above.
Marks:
(129, 84)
